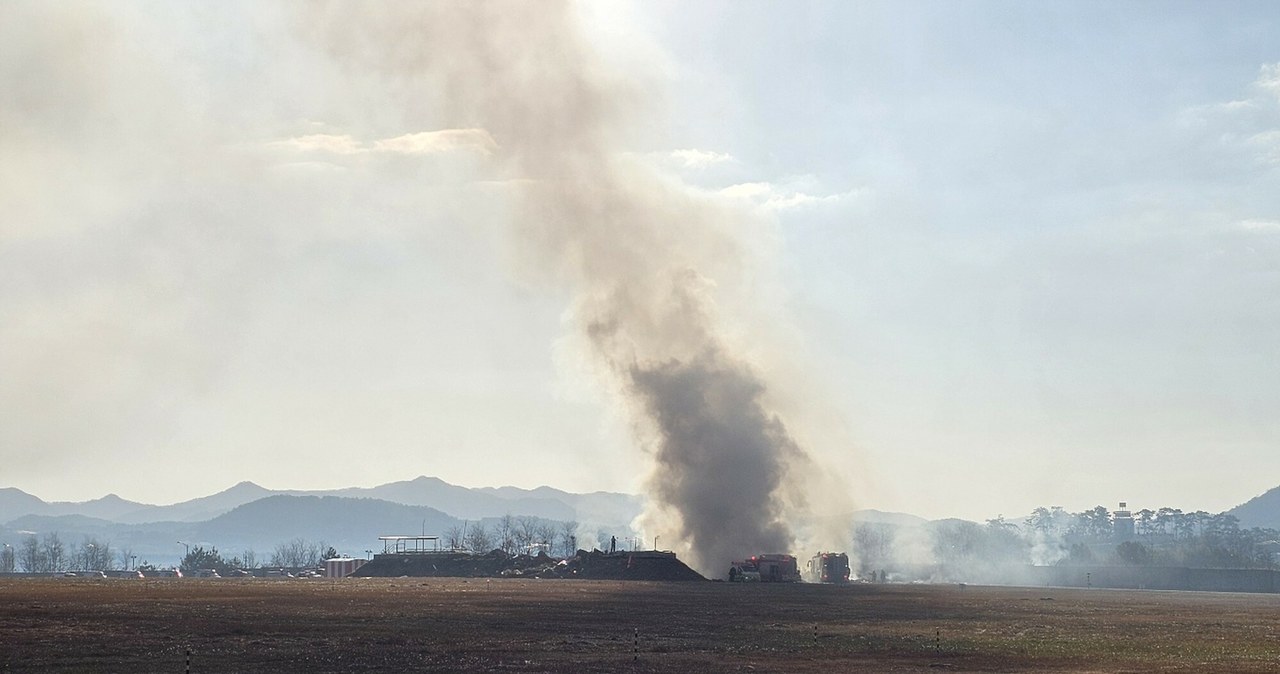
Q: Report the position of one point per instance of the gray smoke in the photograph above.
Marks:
(648, 261)
(721, 459)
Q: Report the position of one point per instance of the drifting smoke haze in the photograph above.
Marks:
(645, 258)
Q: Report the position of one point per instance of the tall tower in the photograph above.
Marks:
(1122, 523)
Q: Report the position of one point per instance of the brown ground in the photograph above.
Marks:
(439, 624)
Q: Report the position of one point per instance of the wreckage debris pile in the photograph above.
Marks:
(594, 565)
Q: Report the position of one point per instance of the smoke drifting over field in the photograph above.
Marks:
(646, 259)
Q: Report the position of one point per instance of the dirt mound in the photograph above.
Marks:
(593, 565)
(629, 566)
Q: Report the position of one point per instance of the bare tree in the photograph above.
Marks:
(8, 559)
(569, 537)
(545, 535)
(478, 539)
(31, 555)
(505, 533)
(249, 558)
(92, 555)
(315, 554)
(874, 541)
(55, 554)
(290, 554)
(454, 537)
(125, 557)
(526, 531)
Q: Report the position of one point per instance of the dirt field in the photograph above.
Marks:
(416, 624)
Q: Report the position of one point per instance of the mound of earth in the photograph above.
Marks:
(594, 565)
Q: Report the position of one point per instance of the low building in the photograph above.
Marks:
(341, 567)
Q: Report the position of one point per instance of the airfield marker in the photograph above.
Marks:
(815, 633)
(635, 646)
(937, 641)
(188, 661)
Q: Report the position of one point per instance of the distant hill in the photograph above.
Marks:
(1260, 511)
(882, 517)
(462, 501)
(16, 503)
(200, 509)
(597, 506)
(597, 509)
(350, 524)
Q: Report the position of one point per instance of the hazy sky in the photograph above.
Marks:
(1015, 254)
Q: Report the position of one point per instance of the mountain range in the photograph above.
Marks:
(248, 516)
(462, 502)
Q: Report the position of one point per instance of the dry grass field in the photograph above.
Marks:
(437, 624)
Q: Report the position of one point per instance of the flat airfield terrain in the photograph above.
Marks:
(511, 625)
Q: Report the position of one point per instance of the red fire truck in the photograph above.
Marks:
(828, 567)
(766, 569)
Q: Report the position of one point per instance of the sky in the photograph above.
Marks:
(1004, 254)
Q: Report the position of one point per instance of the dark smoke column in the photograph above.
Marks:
(648, 261)
(721, 458)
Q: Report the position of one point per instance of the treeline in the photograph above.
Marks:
(1051, 535)
(1162, 537)
(49, 554)
(297, 553)
(515, 535)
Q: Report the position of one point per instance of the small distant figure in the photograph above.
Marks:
(613, 544)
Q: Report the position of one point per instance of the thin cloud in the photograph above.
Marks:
(1268, 144)
(1251, 124)
(698, 159)
(1252, 225)
(321, 142)
(434, 142)
(421, 143)
(1269, 80)
(768, 197)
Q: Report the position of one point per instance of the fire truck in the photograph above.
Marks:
(766, 569)
(828, 567)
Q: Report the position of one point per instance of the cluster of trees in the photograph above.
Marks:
(1163, 537)
(298, 553)
(1051, 535)
(49, 554)
(515, 535)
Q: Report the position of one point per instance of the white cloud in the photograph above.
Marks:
(769, 197)
(1269, 79)
(748, 191)
(321, 142)
(697, 159)
(1268, 143)
(1253, 225)
(421, 143)
(1250, 124)
(433, 142)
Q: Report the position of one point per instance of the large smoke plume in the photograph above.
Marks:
(647, 259)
